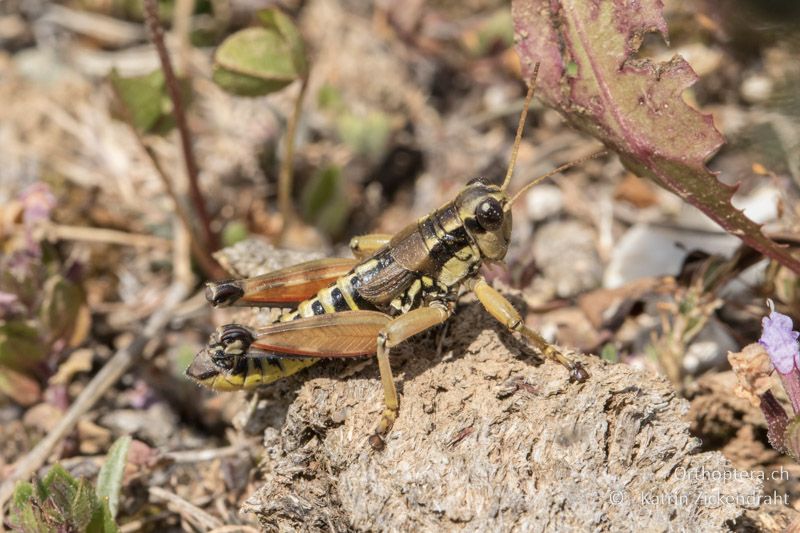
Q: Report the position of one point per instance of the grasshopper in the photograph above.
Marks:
(395, 287)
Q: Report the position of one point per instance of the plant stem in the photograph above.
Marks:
(205, 261)
(173, 87)
(182, 27)
(287, 164)
(207, 264)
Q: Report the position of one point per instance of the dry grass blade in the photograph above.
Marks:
(191, 513)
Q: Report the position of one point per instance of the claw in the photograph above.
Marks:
(578, 374)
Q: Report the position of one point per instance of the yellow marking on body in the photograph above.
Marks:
(287, 316)
(413, 290)
(326, 299)
(431, 241)
(344, 286)
(259, 372)
(456, 269)
(305, 308)
(253, 376)
(364, 268)
(451, 224)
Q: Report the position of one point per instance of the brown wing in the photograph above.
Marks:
(345, 334)
(286, 286)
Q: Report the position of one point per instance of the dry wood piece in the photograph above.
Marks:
(490, 438)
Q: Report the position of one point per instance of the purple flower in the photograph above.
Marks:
(8, 303)
(780, 341)
(37, 202)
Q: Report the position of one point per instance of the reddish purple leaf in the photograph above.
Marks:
(588, 72)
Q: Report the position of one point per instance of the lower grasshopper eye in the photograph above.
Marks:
(489, 214)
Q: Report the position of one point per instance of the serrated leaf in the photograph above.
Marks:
(23, 493)
(634, 106)
(20, 345)
(22, 514)
(259, 61)
(83, 506)
(109, 480)
(61, 490)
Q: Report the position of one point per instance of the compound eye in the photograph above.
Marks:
(489, 214)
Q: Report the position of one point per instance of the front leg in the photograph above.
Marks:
(395, 332)
(500, 308)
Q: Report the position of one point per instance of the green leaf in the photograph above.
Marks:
(633, 105)
(276, 20)
(83, 506)
(102, 521)
(22, 513)
(62, 310)
(23, 493)
(609, 353)
(62, 489)
(58, 476)
(493, 30)
(142, 98)
(144, 101)
(259, 61)
(324, 202)
(329, 98)
(109, 480)
(368, 135)
(20, 345)
(234, 231)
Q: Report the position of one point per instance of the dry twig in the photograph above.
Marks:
(191, 513)
(173, 87)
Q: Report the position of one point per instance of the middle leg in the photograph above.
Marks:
(395, 332)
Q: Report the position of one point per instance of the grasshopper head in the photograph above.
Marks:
(482, 207)
(218, 366)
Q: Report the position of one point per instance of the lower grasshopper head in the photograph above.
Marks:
(483, 209)
(219, 362)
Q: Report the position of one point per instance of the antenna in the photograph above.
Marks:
(553, 172)
(521, 126)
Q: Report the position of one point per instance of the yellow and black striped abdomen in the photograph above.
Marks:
(340, 296)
